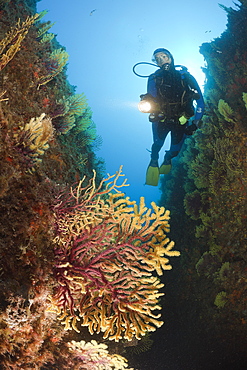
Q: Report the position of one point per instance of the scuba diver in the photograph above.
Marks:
(171, 92)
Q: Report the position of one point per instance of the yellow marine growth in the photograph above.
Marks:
(107, 248)
(245, 99)
(220, 299)
(34, 138)
(96, 356)
(40, 131)
(11, 44)
(226, 111)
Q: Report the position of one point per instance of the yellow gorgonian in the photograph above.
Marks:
(107, 249)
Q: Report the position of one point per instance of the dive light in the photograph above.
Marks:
(147, 104)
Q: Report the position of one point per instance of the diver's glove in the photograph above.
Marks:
(147, 96)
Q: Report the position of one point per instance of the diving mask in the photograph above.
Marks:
(162, 58)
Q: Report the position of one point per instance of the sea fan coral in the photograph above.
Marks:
(226, 111)
(43, 34)
(106, 248)
(69, 110)
(57, 61)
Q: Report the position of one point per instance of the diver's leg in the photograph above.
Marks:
(159, 136)
(177, 139)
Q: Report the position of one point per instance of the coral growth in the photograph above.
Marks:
(215, 183)
(32, 81)
(32, 140)
(11, 43)
(220, 299)
(96, 356)
(69, 111)
(54, 66)
(106, 248)
(102, 246)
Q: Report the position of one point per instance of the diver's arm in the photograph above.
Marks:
(199, 109)
(151, 88)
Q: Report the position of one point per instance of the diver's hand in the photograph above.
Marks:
(147, 96)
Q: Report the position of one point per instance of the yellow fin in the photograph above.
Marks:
(152, 176)
(165, 169)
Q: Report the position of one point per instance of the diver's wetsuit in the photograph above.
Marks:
(162, 128)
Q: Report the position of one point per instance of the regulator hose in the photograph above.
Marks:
(177, 67)
(151, 64)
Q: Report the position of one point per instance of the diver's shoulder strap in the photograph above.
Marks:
(186, 76)
(181, 69)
